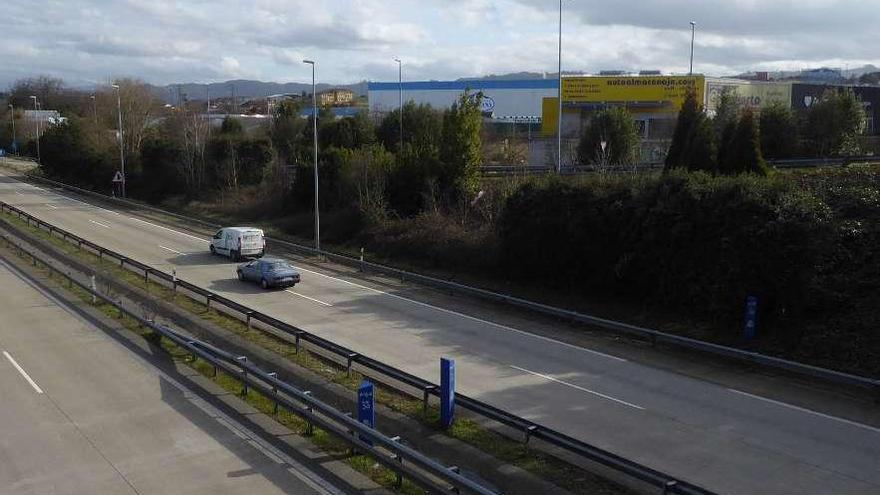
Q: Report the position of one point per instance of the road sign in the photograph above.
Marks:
(366, 405)
(447, 392)
(118, 177)
(751, 319)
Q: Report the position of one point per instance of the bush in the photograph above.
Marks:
(688, 241)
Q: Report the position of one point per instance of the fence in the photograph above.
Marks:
(383, 372)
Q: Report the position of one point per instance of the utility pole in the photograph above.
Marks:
(12, 118)
(315, 128)
(37, 115)
(122, 137)
(400, 97)
(95, 109)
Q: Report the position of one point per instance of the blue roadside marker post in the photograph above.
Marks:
(751, 319)
(366, 406)
(447, 392)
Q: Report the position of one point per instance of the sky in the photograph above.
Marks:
(88, 42)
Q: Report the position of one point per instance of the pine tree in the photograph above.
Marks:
(687, 117)
(745, 148)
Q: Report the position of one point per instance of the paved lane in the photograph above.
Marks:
(80, 414)
(708, 434)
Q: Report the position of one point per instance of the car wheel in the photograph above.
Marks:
(213, 251)
(241, 276)
(264, 284)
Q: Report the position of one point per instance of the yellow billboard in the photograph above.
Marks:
(667, 92)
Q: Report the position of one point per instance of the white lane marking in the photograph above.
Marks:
(172, 250)
(804, 410)
(23, 373)
(309, 298)
(53, 207)
(101, 224)
(170, 230)
(19, 193)
(472, 318)
(87, 204)
(582, 389)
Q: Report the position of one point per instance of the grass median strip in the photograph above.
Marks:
(552, 469)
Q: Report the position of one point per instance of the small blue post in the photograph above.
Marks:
(366, 406)
(447, 392)
(751, 319)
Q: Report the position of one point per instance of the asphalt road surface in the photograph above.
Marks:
(81, 414)
(718, 437)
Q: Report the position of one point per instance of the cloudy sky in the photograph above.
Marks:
(165, 41)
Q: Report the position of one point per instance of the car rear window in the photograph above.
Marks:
(251, 237)
(280, 266)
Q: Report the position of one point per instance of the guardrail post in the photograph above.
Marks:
(208, 302)
(192, 352)
(79, 244)
(349, 359)
(244, 386)
(94, 288)
(531, 429)
(296, 340)
(456, 470)
(274, 394)
(425, 395)
(146, 276)
(668, 487)
(248, 315)
(174, 281)
(119, 305)
(69, 280)
(310, 428)
(398, 477)
(362, 260)
(351, 450)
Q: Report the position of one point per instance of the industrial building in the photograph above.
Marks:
(502, 99)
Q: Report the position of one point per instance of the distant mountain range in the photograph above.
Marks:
(246, 89)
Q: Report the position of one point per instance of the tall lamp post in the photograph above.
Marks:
(121, 138)
(559, 98)
(36, 112)
(95, 108)
(693, 36)
(400, 97)
(12, 118)
(315, 131)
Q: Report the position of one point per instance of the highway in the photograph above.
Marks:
(719, 437)
(80, 413)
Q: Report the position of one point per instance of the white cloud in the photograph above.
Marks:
(164, 41)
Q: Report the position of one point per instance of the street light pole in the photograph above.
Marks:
(12, 118)
(693, 36)
(400, 97)
(315, 131)
(121, 137)
(37, 115)
(95, 108)
(559, 98)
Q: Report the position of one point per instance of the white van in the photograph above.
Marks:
(238, 242)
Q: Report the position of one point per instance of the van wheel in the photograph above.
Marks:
(264, 284)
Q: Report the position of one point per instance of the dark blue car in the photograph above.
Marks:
(269, 272)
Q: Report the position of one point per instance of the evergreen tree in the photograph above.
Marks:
(744, 153)
(460, 145)
(778, 132)
(687, 117)
(616, 127)
(700, 151)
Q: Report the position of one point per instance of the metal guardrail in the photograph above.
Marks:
(390, 452)
(651, 335)
(667, 483)
(522, 170)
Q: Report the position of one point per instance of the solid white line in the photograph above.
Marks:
(808, 411)
(309, 298)
(23, 373)
(19, 193)
(169, 230)
(582, 389)
(87, 204)
(101, 224)
(53, 207)
(172, 250)
(472, 318)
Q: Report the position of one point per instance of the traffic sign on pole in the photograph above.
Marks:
(118, 177)
(447, 392)
(366, 405)
(751, 319)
